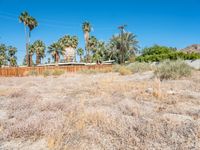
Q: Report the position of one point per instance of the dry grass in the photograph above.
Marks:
(100, 111)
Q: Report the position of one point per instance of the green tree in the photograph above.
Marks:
(31, 53)
(39, 47)
(12, 56)
(86, 27)
(30, 23)
(69, 44)
(55, 50)
(99, 53)
(80, 53)
(121, 51)
(3, 56)
(156, 50)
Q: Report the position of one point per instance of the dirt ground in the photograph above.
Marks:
(100, 111)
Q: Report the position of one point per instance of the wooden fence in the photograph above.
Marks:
(23, 71)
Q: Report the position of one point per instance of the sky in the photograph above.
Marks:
(174, 23)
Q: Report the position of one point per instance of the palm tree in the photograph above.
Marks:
(69, 44)
(55, 50)
(86, 27)
(39, 47)
(80, 52)
(123, 50)
(31, 23)
(24, 19)
(31, 52)
(3, 55)
(100, 52)
(11, 56)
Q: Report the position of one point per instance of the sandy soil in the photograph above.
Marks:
(99, 111)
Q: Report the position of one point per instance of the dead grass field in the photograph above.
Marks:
(100, 111)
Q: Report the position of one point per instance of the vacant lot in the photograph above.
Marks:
(100, 111)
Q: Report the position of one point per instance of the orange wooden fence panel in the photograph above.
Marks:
(22, 71)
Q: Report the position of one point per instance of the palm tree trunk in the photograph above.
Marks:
(86, 45)
(37, 59)
(26, 38)
(29, 33)
(57, 58)
(31, 60)
(81, 58)
(75, 56)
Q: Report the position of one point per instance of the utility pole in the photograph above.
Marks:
(121, 28)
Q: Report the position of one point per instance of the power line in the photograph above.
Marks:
(47, 22)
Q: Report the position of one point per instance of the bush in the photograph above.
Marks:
(58, 72)
(173, 70)
(124, 71)
(160, 53)
(32, 73)
(139, 67)
(171, 56)
(46, 73)
(157, 50)
(116, 68)
(88, 71)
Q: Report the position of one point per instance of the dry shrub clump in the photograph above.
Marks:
(124, 71)
(58, 72)
(88, 71)
(140, 67)
(47, 73)
(93, 71)
(32, 73)
(173, 70)
(136, 67)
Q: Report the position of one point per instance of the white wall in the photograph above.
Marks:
(194, 63)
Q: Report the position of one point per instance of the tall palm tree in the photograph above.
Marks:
(80, 52)
(86, 27)
(39, 47)
(55, 50)
(24, 17)
(31, 23)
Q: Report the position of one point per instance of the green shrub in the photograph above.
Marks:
(160, 53)
(124, 71)
(171, 56)
(173, 70)
(139, 67)
(32, 73)
(158, 50)
(58, 72)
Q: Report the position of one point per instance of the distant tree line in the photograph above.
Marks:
(159, 53)
(119, 48)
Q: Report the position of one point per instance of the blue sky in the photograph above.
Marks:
(173, 23)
